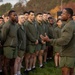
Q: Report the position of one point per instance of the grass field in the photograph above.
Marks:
(48, 69)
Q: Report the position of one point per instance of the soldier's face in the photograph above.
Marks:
(64, 15)
(26, 16)
(21, 18)
(39, 18)
(45, 16)
(48, 15)
(13, 16)
(59, 23)
(31, 16)
(6, 19)
(51, 21)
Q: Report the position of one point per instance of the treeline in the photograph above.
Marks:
(37, 6)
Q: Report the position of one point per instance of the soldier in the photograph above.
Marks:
(25, 20)
(21, 35)
(51, 35)
(51, 25)
(32, 41)
(49, 15)
(1, 47)
(57, 34)
(67, 41)
(9, 37)
(41, 45)
(46, 27)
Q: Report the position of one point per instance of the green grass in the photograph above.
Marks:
(48, 69)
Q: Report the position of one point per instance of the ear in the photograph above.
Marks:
(69, 15)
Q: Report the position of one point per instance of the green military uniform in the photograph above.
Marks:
(51, 30)
(46, 27)
(9, 37)
(41, 31)
(67, 41)
(1, 48)
(21, 35)
(51, 33)
(57, 34)
(31, 33)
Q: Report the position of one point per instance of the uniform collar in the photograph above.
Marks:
(69, 20)
(13, 23)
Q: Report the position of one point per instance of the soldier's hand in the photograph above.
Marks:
(46, 38)
(36, 42)
(42, 37)
(43, 42)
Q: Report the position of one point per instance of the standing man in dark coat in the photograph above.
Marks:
(21, 38)
(46, 28)
(67, 41)
(41, 45)
(57, 49)
(9, 38)
(32, 41)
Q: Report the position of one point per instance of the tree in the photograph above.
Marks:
(69, 4)
(44, 5)
(5, 7)
(54, 11)
(40, 5)
(19, 8)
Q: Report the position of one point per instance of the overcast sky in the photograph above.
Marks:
(9, 1)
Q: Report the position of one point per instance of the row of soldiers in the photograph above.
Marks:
(20, 39)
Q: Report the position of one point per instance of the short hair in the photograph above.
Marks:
(25, 12)
(30, 12)
(11, 11)
(1, 17)
(50, 18)
(44, 12)
(70, 11)
(49, 13)
(58, 20)
(38, 14)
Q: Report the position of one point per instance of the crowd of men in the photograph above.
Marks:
(26, 37)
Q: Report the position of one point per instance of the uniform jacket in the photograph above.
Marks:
(46, 26)
(9, 34)
(31, 32)
(57, 34)
(51, 30)
(40, 29)
(67, 39)
(21, 37)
